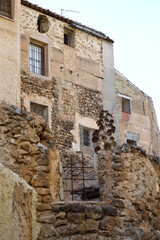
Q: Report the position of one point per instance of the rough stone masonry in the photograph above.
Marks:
(129, 206)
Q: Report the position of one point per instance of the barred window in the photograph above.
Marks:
(6, 8)
(86, 137)
(40, 110)
(37, 59)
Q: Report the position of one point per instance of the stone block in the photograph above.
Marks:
(60, 222)
(66, 230)
(43, 207)
(118, 203)
(118, 166)
(94, 213)
(75, 217)
(40, 180)
(110, 211)
(91, 225)
(48, 230)
(43, 191)
(46, 217)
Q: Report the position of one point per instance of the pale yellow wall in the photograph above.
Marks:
(84, 121)
(141, 120)
(10, 57)
(17, 218)
(81, 65)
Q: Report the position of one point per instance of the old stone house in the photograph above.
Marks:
(60, 69)
(64, 72)
(137, 118)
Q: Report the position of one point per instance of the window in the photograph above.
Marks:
(40, 110)
(36, 57)
(126, 105)
(132, 142)
(68, 37)
(86, 137)
(6, 8)
(86, 144)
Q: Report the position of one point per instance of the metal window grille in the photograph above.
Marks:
(37, 59)
(86, 137)
(6, 8)
(80, 179)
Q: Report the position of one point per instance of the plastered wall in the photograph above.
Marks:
(10, 57)
(141, 123)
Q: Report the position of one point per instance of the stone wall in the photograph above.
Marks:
(18, 207)
(72, 87)
(82, 220)
(129, 203)
(130, 182)
(26, 149)
(81, 64)
(129, 206)
(68, 104)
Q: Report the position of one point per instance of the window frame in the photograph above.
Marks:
(70, 34)
(88, 149)
(44, 57)
(42, 107)
(127, 99)
(11, 14)
(86, 137)
(126, 105)
(131, 142)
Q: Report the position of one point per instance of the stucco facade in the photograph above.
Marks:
(138, 124)
(10, 56)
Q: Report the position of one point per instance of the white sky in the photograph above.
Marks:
(134, 25)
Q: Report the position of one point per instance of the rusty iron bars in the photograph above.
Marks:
(82, 168)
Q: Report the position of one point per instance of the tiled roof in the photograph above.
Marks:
(74, 24)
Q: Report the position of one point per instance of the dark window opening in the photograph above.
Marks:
(40, 110)
(68, 37)
(144, 112)
(131, 142)
(37, 59)
(86, 137)
(126, 105)
(6, 8)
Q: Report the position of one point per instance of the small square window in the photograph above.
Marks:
(126, 105)
(6, 8)
(68, 37)
(36, 57)
(131, 142)
(40, 110)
